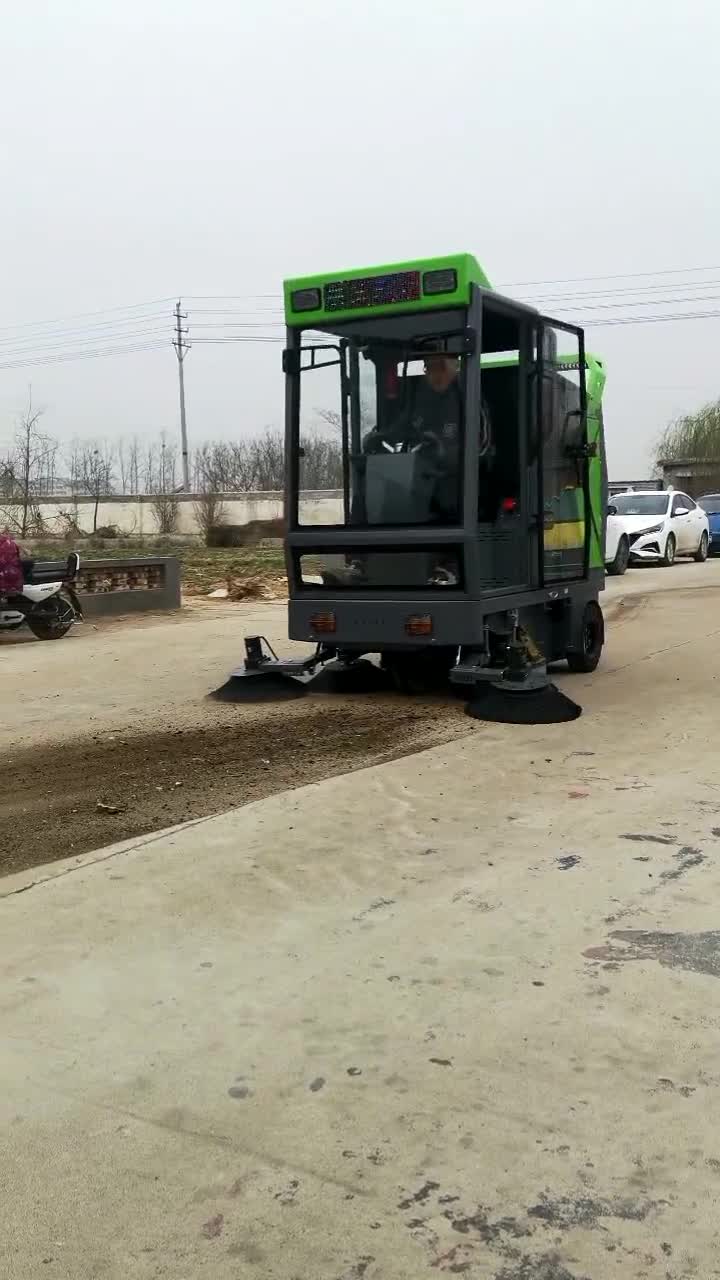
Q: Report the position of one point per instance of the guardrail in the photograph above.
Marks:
(116, 586)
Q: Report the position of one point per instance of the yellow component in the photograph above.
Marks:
(529, 645)
(565, 534)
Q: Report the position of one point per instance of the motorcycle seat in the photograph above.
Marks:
(33, 577)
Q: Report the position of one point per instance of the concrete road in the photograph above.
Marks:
(143, 671)
(450, 1015)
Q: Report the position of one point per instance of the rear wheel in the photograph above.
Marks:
(619, 565)
(670, 548)
(592, 637)
(418, 673)
(702, 552)
(54, 620)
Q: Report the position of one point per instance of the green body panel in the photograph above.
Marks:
(573, 498)
(595, 383)
(468, 271)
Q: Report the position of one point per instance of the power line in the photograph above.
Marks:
(99, 330)
(62, 343)
(621, 293)
(83, 355)
(623, 275)
(674, 315)
(642, 302)
(35, 324)
(64, 349)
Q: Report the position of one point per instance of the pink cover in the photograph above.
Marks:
(11, 574)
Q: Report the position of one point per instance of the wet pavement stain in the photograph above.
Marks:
(212, 1228)
(377, 905)
(585, 1211)
(547, 1267)
(287, 1194)
(647, 836)
(419, 1197)
(456, 1261)
(687, 858)
(669, 1086)
(358, 1269)
(693, 952)
(493, 1232)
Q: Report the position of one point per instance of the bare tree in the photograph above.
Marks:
(321, 464)
(122, 461)
(268, 456)
(28, 470)
(73, 466)
(134, 465)
(149, 468)
(209, 508)
(259, 463)
(166, 503)
(96, 469)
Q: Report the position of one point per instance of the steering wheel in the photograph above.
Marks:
(434, 452)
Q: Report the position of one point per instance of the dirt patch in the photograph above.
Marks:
(695, 952)
(170, 775)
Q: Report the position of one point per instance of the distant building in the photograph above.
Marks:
(620, 486)
(692, 475)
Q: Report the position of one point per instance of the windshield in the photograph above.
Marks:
(387, 418)
(710, 504)
(640, 504)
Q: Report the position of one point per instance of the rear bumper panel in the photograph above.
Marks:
(373, 622)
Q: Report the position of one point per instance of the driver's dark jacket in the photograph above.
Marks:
(431, 418)
(433, 413)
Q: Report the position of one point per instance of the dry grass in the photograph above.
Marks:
(248, 572)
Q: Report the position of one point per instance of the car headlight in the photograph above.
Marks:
(654, 528)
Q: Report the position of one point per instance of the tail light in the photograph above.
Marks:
(323, 622)
(419, 624)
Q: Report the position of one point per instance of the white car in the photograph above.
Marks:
(654, 527)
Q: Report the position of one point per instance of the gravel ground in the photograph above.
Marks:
(119, 715)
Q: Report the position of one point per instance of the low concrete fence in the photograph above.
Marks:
(137, 516)
(116, 586)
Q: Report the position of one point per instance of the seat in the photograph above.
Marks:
(35, 577)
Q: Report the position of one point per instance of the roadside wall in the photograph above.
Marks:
(136, 516)
(131, 585)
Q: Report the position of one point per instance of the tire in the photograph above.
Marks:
(668, 558)
(592, 638)
(701, 554)
(417, 674)
(54, 620)
(619, 565)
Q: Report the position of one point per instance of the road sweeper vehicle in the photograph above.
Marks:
(468, 541)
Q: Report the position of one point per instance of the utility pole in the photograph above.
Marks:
(181, 348)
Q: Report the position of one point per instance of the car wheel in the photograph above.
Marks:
(592, 638)
(701, 554)
(670, 547)
(619, 565)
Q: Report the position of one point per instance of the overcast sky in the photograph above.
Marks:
(151, 150)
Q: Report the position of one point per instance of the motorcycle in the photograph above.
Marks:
(47, 606)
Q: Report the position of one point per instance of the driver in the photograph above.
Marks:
(433, 416)
(430, 422)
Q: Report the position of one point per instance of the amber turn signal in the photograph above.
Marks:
(419, 624)
(324, 622)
